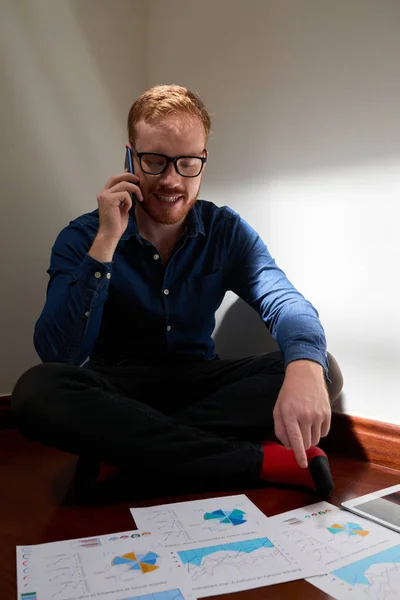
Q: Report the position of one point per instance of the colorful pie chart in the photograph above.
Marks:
(227, 517)
(349, 528)
(138, 562)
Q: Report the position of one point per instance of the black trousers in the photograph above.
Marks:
(195, 424)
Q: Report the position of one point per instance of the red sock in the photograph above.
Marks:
(280, 466)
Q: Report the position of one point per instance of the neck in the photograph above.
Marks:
(163, 237)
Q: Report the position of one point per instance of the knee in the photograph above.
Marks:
(31, 392)
(271, 363)
(336, 379)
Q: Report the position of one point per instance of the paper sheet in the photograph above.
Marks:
(208, 547)
(121, 566)
(221, 552)
(374, 578)
(200, 519)
(238, 562)
(224, 544)
(330, 536)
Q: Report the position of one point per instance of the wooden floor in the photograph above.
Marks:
(34, 480)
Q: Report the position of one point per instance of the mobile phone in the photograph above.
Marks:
(129, 165)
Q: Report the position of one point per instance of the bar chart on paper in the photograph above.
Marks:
(166, 595)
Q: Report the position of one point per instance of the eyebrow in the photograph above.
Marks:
(167, 155)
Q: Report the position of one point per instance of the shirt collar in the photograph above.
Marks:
(132, 228)
(194, 226)
(195, 223)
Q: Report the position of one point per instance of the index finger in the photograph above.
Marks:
(296, 442)
(125, 176)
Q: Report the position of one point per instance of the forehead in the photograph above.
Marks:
(173, 136)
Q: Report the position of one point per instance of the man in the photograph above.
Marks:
(133, 291)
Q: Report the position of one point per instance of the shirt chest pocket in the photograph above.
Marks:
(206, 293)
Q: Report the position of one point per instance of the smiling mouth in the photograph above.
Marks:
(168, 198)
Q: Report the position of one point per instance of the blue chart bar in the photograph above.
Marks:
(167, 595)
(357, 573)
(195, 557)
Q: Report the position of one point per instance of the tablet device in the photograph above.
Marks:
(382, 507)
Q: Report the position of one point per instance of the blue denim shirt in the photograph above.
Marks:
(138, 310)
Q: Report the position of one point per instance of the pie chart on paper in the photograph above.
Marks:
(138, 562)
(349, 528)
(227, 517)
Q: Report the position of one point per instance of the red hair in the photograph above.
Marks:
(163, 101)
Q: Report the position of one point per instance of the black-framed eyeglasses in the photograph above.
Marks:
(153, 163)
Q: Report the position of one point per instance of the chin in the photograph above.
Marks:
(168, 215)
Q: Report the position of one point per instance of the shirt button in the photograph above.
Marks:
(166, 292)
(97, 274)
(169, 328)
(108, 275)
(86, 313)
(156, 256)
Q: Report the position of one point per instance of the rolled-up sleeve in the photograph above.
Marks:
(255, 277)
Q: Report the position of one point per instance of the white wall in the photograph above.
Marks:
(70, 71)
(306, 146)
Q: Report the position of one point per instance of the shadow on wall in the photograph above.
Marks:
(242, 333)
(117, 20)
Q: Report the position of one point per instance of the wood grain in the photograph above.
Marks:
(33, 507)
(373, 441)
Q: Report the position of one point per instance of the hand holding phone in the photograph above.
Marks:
(115, 203)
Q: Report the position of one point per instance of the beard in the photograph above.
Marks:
(164, 214)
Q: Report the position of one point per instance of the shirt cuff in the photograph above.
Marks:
(95, 274)
(305, 352)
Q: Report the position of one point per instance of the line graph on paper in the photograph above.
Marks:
(62, 575)
(68, 590)
(376, 577)
(61, 561)
(165, 520)
(245, 558)
(168, 527)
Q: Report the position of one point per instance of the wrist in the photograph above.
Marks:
(103, 247)
(305, 366)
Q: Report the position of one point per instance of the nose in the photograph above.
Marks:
(170, 177)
